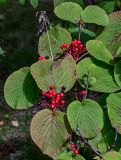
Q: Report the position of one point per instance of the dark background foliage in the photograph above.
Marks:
(18, 38)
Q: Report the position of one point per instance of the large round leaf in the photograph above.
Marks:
(111, 36)
(101, 72)
(60, 73)
(117, 73)
(69, 11)
(114, 110)
(106, 138)
(50, 42)
(49, 130)
(98, 50)
(88, 116)
(112, 155)
(94, 14)
(58, 2)
(20, 89)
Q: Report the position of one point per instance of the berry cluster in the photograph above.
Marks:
(54, 99)
(76, 49)
(73, 148)
(43, 57)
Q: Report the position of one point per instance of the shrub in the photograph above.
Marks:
(80, 84)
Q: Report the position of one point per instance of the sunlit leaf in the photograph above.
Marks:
(94, 14)
(59, 73)
(20, 89)
(88, 116)
(51, 41)
(49, 130)
(98, 50)
(69, 11)
(111, 36)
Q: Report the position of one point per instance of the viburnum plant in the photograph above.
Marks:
(79, 84)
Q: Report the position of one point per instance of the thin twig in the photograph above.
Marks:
(86, 142)
(79, 37)
(81, 26)
(82, 57)
(49, 42)
(76, 92)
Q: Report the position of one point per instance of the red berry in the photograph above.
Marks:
(72, 146)
(62, 94)
(62, 102)
(76, 45)
(76, 151)
(75, 41)
(83, 93)
(53, 102)
(52, 106)
(41, 58)
(58, 98)
(78, 42)
(70, 52)
(51, 87)
(76, 49)
(53, 93)
(81, 46)
(48, 95)
(72, 43)
(43, 93)
(50, 91)
(56, 101)
(65, 45)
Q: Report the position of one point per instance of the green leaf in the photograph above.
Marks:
(88, 32)
(112, 155)
(58, 2)
(22, 1)
(117, 73)
(85, 31)
(34, 3)
(118, 53)
(111, 36)
(94, 14)
(108, 6)
(88, 116)
(57, 36)
(49, 130)
(106, 141)
(68, 156)
(103, 74)
(98, 50)
(69, 11)
(59, 73)
(20, 89)
(106, 138)
(94, 141)
(114, 110)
